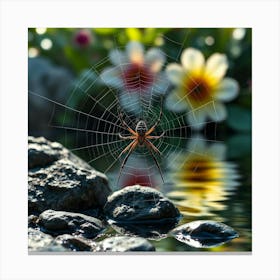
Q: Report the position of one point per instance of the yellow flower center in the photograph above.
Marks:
(198, 90)
(201, 169)
(201, 185)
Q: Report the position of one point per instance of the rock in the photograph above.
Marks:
(124, 244)
(74, 243)
(50, 81)
(32, 221)
(66, 186)
(41, 242)
(42, 152)
(204, 234)
(60, 222)
(152, 231)
(140, 204)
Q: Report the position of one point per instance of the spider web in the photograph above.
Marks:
(92, 128)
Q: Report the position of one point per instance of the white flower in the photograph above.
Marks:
(200, 87)
(136, 74)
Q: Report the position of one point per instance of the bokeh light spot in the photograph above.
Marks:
(239, 33)
(33, 52)
(159, 41)
(209, 41)
(46, 44)
(41, 31)
(235, 51)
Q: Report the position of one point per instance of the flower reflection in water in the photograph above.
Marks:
(203, 180)
(140, 172)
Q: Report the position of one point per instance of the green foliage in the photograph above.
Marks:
(239, 118)
(80, 57)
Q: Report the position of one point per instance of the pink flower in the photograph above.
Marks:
(136, 74)
(83, 37)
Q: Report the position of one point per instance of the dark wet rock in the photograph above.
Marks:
(93, 212)
(32, 221)
(124, 244)
(140, 204)
(42, 242)
(204, 234)
(65, 186)
(61, 222)
(153, 231)
(42, 152)
(74, 243)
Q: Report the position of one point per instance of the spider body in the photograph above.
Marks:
(141, 136)
(141, 129)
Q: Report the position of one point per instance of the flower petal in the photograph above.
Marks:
(217, 112)
(197, 143)
(218, 151)
(227, 90)
(155, 58)
(173, 103)
(197, 118)
(135, 52)
(175, 73)
(192, 60)
(111, 76)
(161, 84)
(216, 66)
(118, 57)
(130, 102)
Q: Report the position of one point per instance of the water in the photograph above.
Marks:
(210, 182)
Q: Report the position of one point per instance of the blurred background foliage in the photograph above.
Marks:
(76, 50)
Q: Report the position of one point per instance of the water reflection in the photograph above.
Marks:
(202, 179)
(140, 171)
(149, 230)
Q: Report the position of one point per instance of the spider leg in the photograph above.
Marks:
(150, 148)
(157, 122)
(126, 148)
(126, 137)
(153, 146)
(155, 137)
(125, 124)
(130, 147)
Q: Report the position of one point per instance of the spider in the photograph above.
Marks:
(141, 136)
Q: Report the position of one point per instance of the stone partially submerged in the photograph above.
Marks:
(124, 244)
(140, 204)
(204, 234)
(149, 230)
(74, 243)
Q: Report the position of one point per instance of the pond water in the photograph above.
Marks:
(209, 181)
